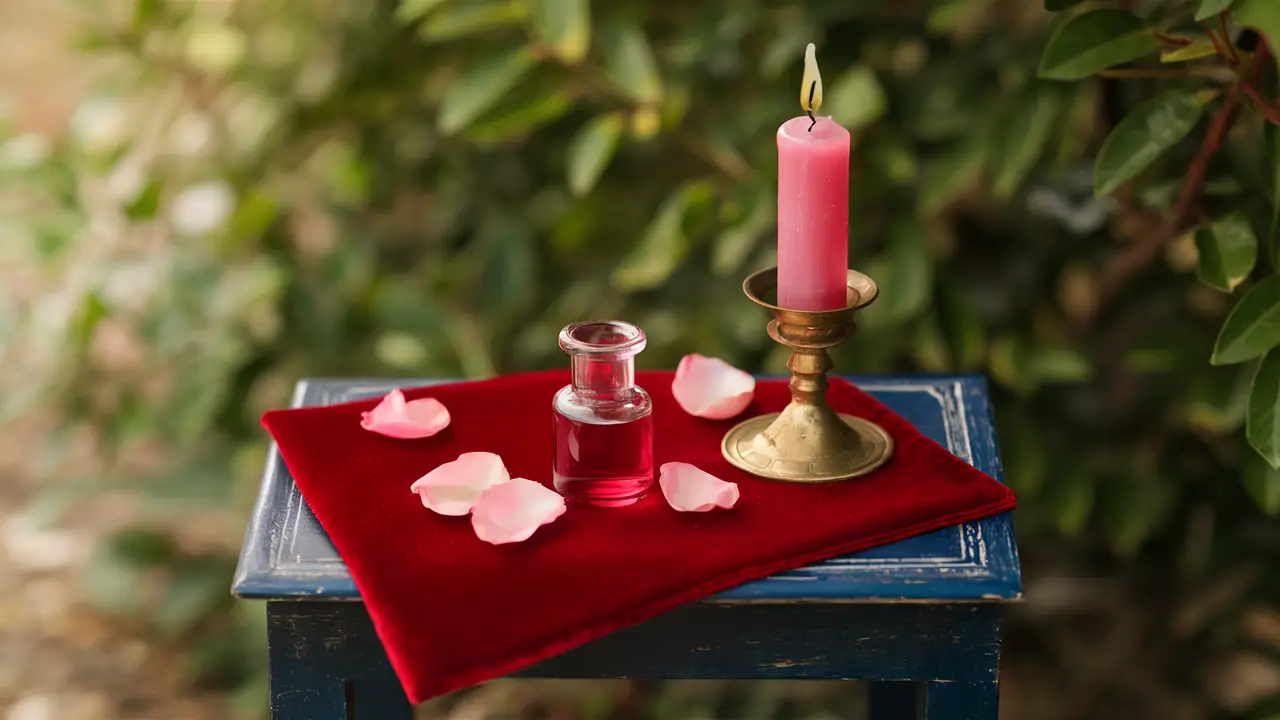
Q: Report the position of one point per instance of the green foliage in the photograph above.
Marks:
(1209, 8)
(1253, 327)
(1094, 41)
(1228, 251)
(1145, 133)
(434, 189)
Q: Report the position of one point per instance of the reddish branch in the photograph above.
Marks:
(1147, 247)
(1173, 41)
(1226, 38)
(1217, 47)
(1267, 108)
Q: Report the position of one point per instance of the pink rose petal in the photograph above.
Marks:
(454, 487)
(396, 418)
(689, 489)
(712, 388)
(511, 512)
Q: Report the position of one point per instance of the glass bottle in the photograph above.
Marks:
(603, 452)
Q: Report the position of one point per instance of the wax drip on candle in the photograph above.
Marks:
(811, 85)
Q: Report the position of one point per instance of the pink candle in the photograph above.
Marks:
(813, 214)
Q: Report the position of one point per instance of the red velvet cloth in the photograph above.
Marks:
(453, 611)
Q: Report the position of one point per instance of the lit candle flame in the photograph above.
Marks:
(811, 85)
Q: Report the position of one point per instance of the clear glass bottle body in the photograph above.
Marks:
(603, 424)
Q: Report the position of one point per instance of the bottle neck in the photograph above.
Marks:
(596, 377)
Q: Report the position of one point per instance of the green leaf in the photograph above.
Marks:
(144, 206)
(1272, 158)
(856, 98)
(1228, 250)
(1133, 509)
(631, 63)
(255, 213)
(564, 25)
(736, 243)
(411, 11)
(1262, 425)
(1209, 8)
(1094, 41)
(1262, 482)
(1057, 5)
(905, 277)
(197, 589)
(464, 19)
(510, 277)
(1219, 398)
(949, 15)
(113, 585)
(664, 243)
(1253, 327)
(963, 327)
(930, 346)
(1057, 365)
(1071, 497)
(956, 171)
(144, 11)
(591, 150)
(1023, 141)
(1194, 51)
(482, 86)
(520, 115)
(141, 547)
(92, 310)
(1143, 135)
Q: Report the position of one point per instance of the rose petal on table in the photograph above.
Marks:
(511, 512)
(689, 489)
(394, 417)
(454, 487)
(712, 388)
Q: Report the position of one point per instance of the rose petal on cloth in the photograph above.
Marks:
(511, 512)
(689, 489)
(454, 487)
(712, 388)
(396, 418)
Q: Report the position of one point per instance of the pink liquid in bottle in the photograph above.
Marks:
(603, 453)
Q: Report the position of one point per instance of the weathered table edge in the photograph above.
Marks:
(996, 578)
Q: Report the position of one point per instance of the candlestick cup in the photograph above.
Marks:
(808, 442)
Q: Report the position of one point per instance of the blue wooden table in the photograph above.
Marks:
(920, 618)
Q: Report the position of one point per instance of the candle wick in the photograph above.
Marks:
(813, 88)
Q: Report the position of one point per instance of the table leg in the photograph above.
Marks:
(962, 700)
(893, 701)
(377, 700)
(307, 700)
(326, 664)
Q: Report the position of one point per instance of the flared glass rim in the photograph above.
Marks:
(574, 339)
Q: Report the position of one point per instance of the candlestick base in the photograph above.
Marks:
(808, 446)
(808, 442)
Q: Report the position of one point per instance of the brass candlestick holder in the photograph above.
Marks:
(808, 442)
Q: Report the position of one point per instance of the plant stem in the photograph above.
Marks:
(1216, 45)
(1200, 164)
(1192, 71)
(1172, 41)
(1268, 110)
(1226, 38)
(1147, 247)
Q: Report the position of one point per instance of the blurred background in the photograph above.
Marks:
(203, 200)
